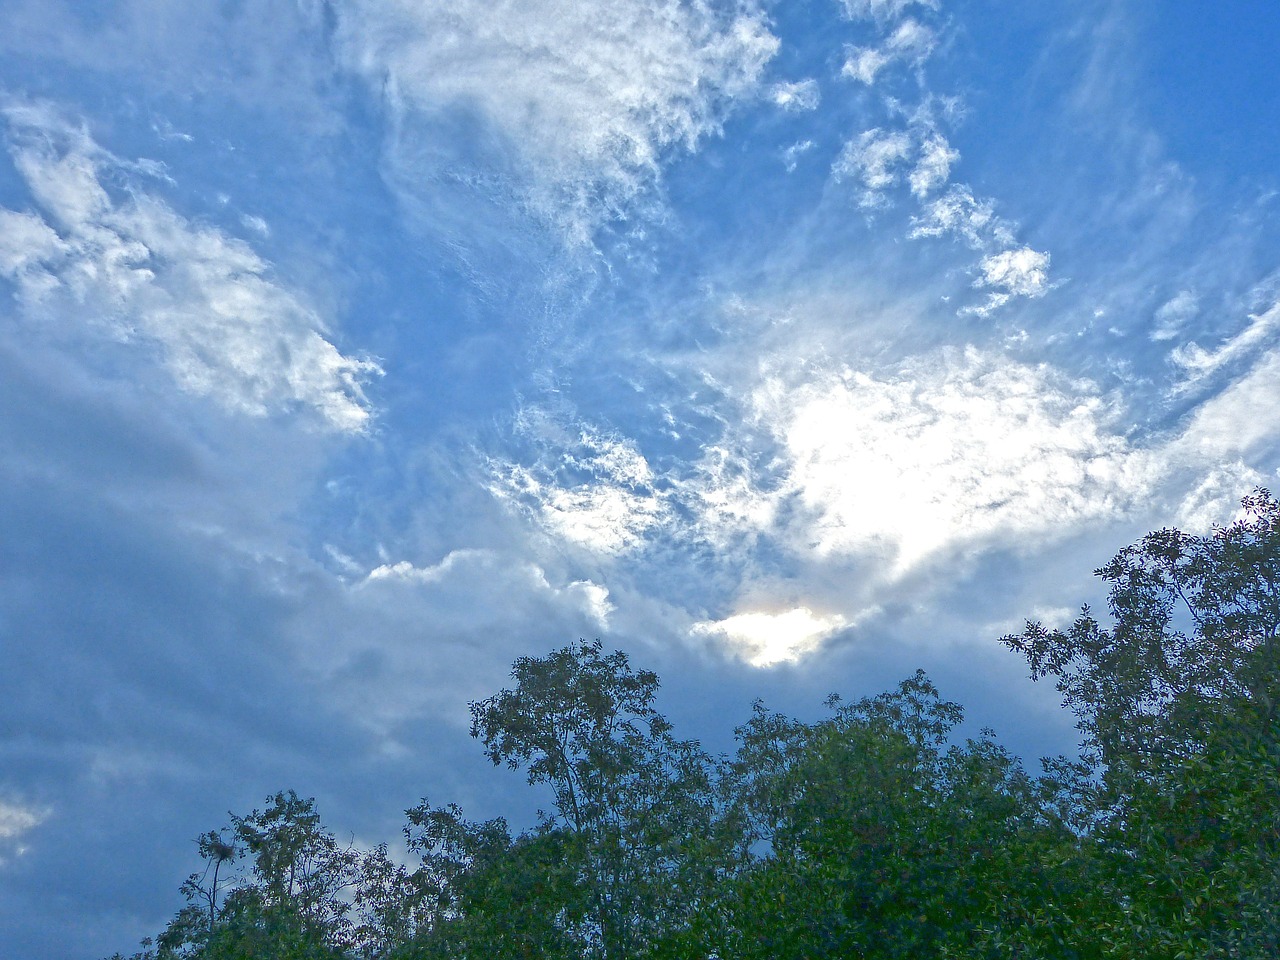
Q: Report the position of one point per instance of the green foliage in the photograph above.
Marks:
(286, 901)
(635, 806)
(1177, 700)
(486, 894)
(875, 832)
(880, 840)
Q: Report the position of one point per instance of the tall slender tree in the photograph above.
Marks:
(635, 805)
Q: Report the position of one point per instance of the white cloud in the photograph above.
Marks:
(1240, 420)
(911, 42)
(766, 639)
(959, 212)
(1175, 314)
(27, 243)
(500, 575)
(1198, 363)
(921, 155)
(959, 448)
(730, 504)
(17, 820)
(934, 166)
(1021, 272)
(590, 489)
(588, 96)
(256, 224)
(1007, 270)
(828, 464)
(881, 159)
(791, 155)
(863, 63)
(882, 10)
(134, 270)
(1216, 498)
(876, 158)
(798, 96)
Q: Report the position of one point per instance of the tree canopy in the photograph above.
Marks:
(874, 832)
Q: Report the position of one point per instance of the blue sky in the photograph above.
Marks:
(349, 350)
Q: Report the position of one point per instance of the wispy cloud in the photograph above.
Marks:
(911, 42)
(933, 168)
(586, 98)
(590, 489)
(791, 155)
(1020, 272)
(960, 213)
(124, 265)
(17, 820)
(876, 158)
(798, 96)
(1237, 422)
(919, 155)
(883, 10)
(1174, 314)
(1196, 363)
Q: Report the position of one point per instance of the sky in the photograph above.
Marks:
(350, 349)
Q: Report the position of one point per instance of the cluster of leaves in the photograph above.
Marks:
(1178, 701)
(874, 832)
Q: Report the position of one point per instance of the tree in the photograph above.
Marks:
(634, 807)
(299, 867)
(288, 903)
(388, 905)
(1177, 701)
(875, 838)
(481, 893)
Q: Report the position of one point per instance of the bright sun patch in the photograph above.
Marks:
(766, 639)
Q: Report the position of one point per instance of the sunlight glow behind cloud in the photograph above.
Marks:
(767, 639)
(958, 448)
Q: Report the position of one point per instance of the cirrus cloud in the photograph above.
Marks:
(587, 97)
